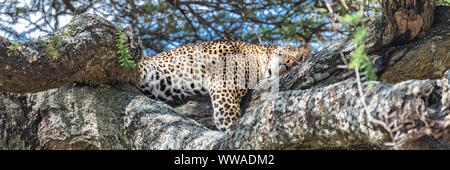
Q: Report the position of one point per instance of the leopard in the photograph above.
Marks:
(223, 69)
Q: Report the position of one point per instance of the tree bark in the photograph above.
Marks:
(83, 51)
(404, 20)
(424, 58)
(328, 117)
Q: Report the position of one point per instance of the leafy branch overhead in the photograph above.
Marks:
(168, 23)
(359, 58)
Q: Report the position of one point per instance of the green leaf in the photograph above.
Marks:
(348, 19)
(123, 51)
(360, 35)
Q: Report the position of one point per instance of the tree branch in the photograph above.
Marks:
(66, 57)
(327, 117)
(176, 5)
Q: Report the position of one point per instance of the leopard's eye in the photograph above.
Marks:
(287, 62)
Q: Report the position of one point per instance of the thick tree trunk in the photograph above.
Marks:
(83, 51)
(327, 117)
(404, 20)
(425, 58)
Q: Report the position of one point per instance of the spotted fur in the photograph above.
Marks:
(224, 69)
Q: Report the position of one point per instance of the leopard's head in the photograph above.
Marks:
(283, 58)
